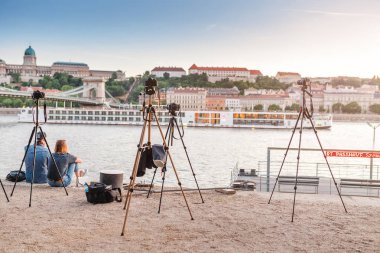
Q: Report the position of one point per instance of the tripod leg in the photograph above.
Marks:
(172, 163)
(155, 170)
(162, 188)
(298, 161)
(188, 159)
(286, 153)
(151, 183)
(4, 190)
(327, 162)
(133, 177)
(52, 158)
(34, 166)
(23, 159)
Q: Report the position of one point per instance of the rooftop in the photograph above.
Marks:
(195, 67)
(168, 69)
(30, 51)
(70, 63)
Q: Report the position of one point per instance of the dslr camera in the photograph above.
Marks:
(173, 108)
(38, 95)
(150, 85)
(304, 82)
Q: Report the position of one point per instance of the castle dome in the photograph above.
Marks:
(30, 51)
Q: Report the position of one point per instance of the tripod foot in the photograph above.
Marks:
(192, 218)
(122, 234)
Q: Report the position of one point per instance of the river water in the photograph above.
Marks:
(213, 152)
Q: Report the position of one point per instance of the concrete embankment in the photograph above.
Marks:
(356, 117)
(9, 111)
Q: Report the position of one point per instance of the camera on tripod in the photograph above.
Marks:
(173, 108)
(38, 95)
(304, 82)
(150, 85)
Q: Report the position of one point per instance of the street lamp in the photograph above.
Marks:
(374, 126)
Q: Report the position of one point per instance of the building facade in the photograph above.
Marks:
(215, 103)
(249, 102)
(190, 99)
(215, 74)
(29, 70)
(172, 71)
(288, 77)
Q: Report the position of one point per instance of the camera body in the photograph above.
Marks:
(38, 95)
(150, 85)
(173, 108)
(304, 82)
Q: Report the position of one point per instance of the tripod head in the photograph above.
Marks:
(36, 96)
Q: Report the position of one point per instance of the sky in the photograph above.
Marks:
(314, 38)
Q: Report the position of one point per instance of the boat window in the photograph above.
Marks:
(117, 113)
(104, 113)
(96, 118)
(84, 112)
(110, 113)
(90, 113)
(97, 113)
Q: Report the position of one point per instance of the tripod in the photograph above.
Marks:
(37, 127)
(2, 186)
(304, 113)
(150, 111)
(169, 136)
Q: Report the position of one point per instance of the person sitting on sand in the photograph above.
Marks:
(42, 154)
(67, 166)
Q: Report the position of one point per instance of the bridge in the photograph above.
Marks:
(92, 93)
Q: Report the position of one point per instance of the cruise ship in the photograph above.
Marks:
(134, 116)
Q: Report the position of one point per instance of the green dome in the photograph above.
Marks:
(30, 51)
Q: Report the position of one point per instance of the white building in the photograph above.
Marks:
(253, 91)
(249, 102)
(288, 77)
(172, 71)
(190, 99)
(346, 95)
(215, 74)
(233, 104)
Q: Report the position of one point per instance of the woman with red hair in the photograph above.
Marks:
(67, 165)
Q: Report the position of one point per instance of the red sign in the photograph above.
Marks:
(353, 153)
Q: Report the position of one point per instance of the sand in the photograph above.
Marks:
(243, 222)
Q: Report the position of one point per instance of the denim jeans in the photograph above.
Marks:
(66, 178)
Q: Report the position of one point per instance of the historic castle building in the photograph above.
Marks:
(30, 70)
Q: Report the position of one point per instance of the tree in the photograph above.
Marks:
(274, 107)
(375, 108)
(294, 107)
(15, 77)
(166, 75)
(258, 107)
(114, 76)
(352, 107)
(66, 87)
(337, 107)
(321, 108)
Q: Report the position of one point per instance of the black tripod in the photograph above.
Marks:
(150, 113)
(37, 127)
(2, 186)
(169, 136)
(304, 113)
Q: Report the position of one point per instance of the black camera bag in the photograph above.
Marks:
(13, 175)
(98, 193)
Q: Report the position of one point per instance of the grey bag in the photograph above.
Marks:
(159, 155)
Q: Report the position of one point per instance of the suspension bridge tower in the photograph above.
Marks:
(94, 88)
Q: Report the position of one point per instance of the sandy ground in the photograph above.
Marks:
(243, 222)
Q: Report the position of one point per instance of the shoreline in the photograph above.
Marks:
(336, 117)
(243, 222)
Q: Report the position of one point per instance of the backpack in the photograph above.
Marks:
(101, 193)
(13, 175)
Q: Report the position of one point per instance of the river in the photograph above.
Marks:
(213, 152)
